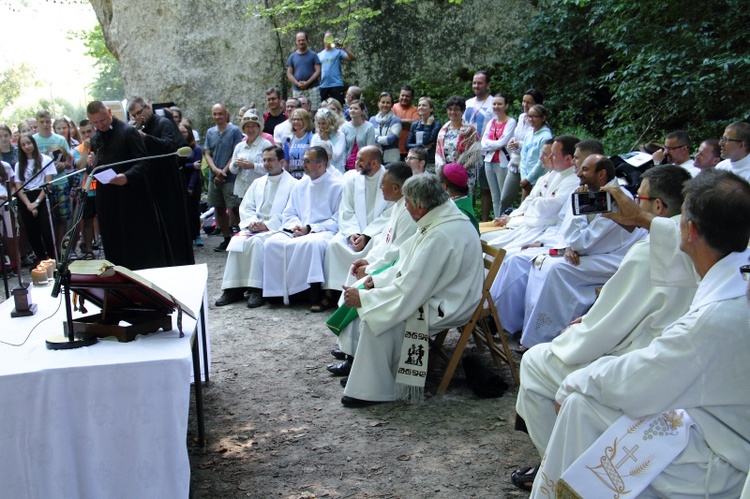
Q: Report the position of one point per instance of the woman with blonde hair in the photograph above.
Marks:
(327, 131)
(335, 106)
(297, 143)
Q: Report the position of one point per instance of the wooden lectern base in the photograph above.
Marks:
(31, 310)
(124, 327)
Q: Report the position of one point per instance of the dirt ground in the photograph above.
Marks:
(275, 425)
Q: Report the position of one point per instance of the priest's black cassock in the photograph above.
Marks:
(168, 187)
(128, 220)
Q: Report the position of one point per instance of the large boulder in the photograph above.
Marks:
(197, 53)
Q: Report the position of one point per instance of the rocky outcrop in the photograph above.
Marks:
(196, 53)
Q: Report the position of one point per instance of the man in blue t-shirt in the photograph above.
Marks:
(332, 83)
(218, 149)
(303, 71)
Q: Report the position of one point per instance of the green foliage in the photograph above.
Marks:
(12, 82)
(633, 71)
(56, 106)
(295, 15)
(108, 84)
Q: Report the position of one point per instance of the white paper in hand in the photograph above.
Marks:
(105, 176)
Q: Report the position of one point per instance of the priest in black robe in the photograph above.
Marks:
(161, 136)
(128, 220)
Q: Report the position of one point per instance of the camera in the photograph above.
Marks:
(591, 202)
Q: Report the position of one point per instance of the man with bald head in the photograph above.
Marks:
(362, 215)
(218, 149)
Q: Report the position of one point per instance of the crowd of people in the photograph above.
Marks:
(633, 316)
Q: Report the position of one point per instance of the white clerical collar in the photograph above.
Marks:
(275, 179)
(320, 179)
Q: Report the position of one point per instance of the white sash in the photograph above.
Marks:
(412, 366)
(627, 457)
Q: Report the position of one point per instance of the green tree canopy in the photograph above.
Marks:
(108, 84)
(627, 71)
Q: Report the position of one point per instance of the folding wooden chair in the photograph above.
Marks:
(478, 325)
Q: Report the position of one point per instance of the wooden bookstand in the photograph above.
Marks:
(130, 305)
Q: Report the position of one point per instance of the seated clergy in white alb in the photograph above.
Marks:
(546, 205)
(362, 215)
(384, 253)
(602, 241)
(671, 419)
(735, 149)
(561, 289)
(260, 216)
(436, 284)
(293, 259)
(632, 309)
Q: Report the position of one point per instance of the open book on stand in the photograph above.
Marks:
(130, 304)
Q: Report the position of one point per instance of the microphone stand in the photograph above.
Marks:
(21, 293)
(3, 236)
(62, 280)
(62, 276)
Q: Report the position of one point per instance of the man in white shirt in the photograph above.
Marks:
(676, 151)
(479, 113)
(735, 149)
(284, 129)
(548, 201)
(293, 258)
(362, 215)
(436, 283)
(708, 155)
(602, 241)
(400, 227)
(698, 364)
(260, 216)
(629, 312)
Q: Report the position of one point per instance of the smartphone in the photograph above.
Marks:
(591, 202)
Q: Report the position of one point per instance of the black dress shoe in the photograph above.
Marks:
(342, 368)
(343, 381)
(255, 299)
(223, 245)
(230, 296)
(352, 402)
(338, 354)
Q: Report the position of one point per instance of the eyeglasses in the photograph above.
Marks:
(412, 158)
(308, 161)
(138, 113)
(745, 270)
(645, 198)
(724, 140)
(675, 147)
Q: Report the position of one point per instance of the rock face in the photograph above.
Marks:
(196, 53)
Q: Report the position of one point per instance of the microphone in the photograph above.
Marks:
(182, 152)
